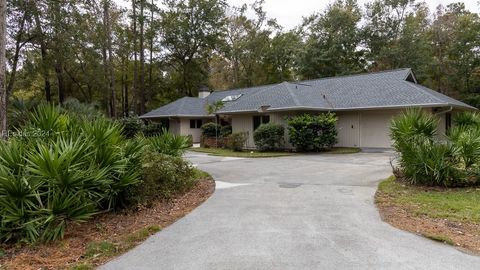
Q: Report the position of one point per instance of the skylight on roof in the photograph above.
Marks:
(231, 98)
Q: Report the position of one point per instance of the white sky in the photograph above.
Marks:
(289, 13)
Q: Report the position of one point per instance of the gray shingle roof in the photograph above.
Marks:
(387, 89)
(186, 106)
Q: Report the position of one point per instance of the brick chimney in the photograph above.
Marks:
(203, 92)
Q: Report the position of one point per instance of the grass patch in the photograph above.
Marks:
(134, 238)
(199, 174)
(247, 154)
(256, 154)
(342, 150)
(439, 238)
(455, 204)
(82, 266)
(103, 248)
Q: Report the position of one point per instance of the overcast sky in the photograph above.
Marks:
(289, 13)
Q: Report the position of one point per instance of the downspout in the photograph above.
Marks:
(445, 112)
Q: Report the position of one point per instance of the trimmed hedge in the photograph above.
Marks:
(313, 132)
(269, 137)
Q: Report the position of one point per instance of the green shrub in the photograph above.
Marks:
(152, 129)
(471, 119)
(236, 141)
(132, 126)
(169, 143)
(269, 137)
(225, 131)
(210, 130)
(312, 132)
(163, 176)
(82, 167)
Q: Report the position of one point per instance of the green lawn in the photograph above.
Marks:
(456, 204)
(256, 154)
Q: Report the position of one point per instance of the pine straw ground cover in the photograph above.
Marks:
(448, 215)
(106, 236)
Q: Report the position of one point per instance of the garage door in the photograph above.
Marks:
(375, 128)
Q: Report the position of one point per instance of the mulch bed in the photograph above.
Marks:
(463, 235)
(113, 227)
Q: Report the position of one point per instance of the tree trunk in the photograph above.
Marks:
(18, 47)
(60, 79)
(3, 90)
(111, 76)
(142, 60)
(43, 52)
(150, 69)
(135, 66)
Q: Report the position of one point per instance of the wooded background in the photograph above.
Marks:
(130, 60)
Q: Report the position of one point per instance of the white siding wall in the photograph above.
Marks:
(196, 133)
(244, 123)
(181, 126)
(369, 128)
(174, 126)
(348, 127)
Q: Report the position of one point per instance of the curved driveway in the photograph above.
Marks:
(298, 212)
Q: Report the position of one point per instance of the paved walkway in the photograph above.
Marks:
(298, 212)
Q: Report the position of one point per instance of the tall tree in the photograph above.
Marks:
(190, 31)
(3, 90)
(384, 23)
(135, 53)
(141, 88)
(332, 42)
(109, 62)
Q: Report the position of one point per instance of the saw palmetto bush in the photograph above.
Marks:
(62, 169)
(425, 160)
(169, 144)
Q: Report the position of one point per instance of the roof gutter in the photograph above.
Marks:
(177, 115)
(444, 111)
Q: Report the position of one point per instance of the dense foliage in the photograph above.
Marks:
(426, 160)
(169, 144)
(309, 132)
(269, 137)
(211, 130)
(236, 141)
(65, 165)
(60, 168)
(133, 126)
(162, 177)
(135, 58)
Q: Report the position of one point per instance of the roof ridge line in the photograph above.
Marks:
(423, 90)
(293, 95)
(354, 75)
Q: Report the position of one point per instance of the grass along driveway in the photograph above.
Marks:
(448, 215)
(256, 154)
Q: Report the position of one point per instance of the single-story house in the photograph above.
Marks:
(364, 104)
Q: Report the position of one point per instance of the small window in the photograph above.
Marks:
(260, 119)
(196, 123)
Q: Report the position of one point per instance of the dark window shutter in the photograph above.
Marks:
(192, 123)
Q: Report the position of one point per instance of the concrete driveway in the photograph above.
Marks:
(298, 212)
